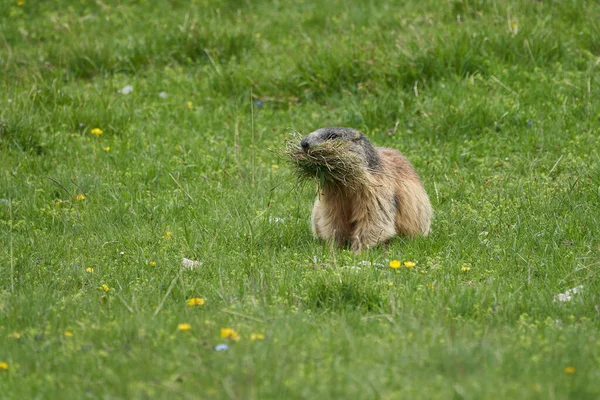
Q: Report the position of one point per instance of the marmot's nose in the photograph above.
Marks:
(304, 144)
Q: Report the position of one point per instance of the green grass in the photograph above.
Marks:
(496, 103)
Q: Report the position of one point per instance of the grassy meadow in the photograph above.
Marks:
(134, 134)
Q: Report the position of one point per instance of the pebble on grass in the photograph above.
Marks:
(221, 347)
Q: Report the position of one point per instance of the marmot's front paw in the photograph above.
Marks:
(357, 245)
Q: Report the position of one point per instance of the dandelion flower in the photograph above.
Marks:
(20, 3)
(107, 148)
(390, 283)
(152, 263)
(80, 197)
(274, 166)
(3, 366)
(465, 268)
(105, 287)
(228, 333)
(16, 335)
(168, 235)
(68, 333)
(430, 286)
(184, 327)
(257, 336)
(409, 264)
(89, 270)
(190, 104)
(395, 264)
(569, 370)
(96, 131)
(196, 301)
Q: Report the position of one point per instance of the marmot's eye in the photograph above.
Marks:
(332, 136)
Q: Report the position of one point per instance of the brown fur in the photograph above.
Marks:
(392, 202)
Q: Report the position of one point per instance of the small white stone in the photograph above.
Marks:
(163, 95)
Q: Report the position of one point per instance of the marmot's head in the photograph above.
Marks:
(344, 139)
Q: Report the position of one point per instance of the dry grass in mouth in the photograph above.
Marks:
(328, 162)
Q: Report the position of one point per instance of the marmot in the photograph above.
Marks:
(367, 195)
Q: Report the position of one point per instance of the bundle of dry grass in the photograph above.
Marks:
(330, 162)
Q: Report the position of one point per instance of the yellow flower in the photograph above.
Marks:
(152, 263)
(569, 370)
(16, 335)
(58, 202)
(228, 333)
(107, 148)
(196, 301)
(105, 287)
(409, 264)
(257, 35)
(184, 327)
(20, 3)
(465, 268)
(80, 197)
(3, 366)
(274, 166)
(395, 264)
(257, 336)
(430, 286)
(68, 333)
(89, 270)
(190, 104)
(390, 283)
(168, 235)
(96, 131)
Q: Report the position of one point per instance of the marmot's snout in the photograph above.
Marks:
(304, 144)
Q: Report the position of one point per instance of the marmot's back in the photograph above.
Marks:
(414, 211)
(368, 194)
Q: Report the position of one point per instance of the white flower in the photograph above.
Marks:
(163, 95)
(188, 264)
(126, 90)
(221, 347)
(568, 295)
